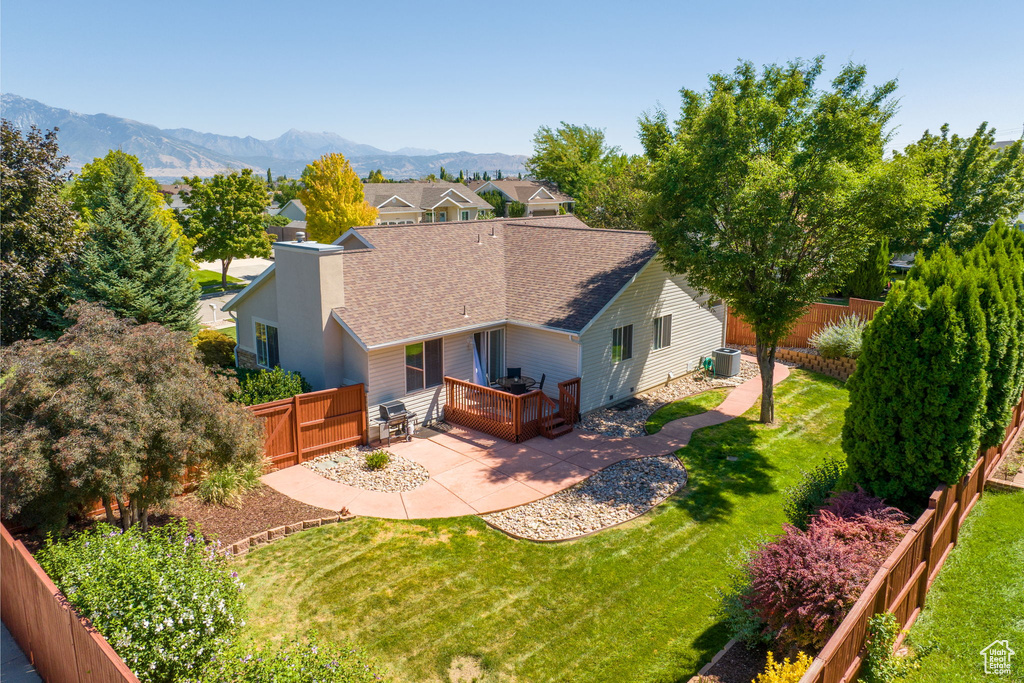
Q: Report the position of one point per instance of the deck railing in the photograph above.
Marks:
(511, 417)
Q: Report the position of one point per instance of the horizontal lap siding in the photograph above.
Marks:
(259, 303)
(386, 370)
(696, 332)
(540, 352)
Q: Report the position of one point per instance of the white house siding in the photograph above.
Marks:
(386, 378)
(540, 352)
(259, 303)
(696, 332)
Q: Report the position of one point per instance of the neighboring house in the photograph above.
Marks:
(296, 213)
(399, 308)
(541, 198)
(293, 210)
(403, 203)
(173, 193)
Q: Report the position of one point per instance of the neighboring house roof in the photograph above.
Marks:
(395, 197)
(429, 278)
(173, 189)
(523, 191)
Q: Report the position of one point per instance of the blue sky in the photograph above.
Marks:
(483, 76)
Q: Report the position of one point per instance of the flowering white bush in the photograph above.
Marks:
(165, 599)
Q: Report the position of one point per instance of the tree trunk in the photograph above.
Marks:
(225, 263)
(125, 512)
(144, 518)
(766, 363)
(111, 520)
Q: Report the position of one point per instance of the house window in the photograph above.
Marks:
(266, 346)
(424, 365)
(662, 332)
(622, 343)
(464, 216)
(428, 216)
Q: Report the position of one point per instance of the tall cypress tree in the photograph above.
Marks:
(129, 259)
(868, 281)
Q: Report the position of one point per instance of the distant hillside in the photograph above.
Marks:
(173, 153)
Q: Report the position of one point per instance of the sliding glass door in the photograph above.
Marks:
(491, 347)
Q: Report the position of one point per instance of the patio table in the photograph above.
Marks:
(506, 382)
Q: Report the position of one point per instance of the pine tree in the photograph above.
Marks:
(871, 276)
(270, 178)
(129, 260)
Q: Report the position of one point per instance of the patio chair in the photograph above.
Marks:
(517, 388)
(513, 372)
(540, 387)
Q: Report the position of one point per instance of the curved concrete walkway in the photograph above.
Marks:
(473, 473)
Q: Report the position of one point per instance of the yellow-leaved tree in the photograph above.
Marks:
(333, 198)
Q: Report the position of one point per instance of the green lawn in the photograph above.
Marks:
(230, 331)
(632, 603)
(210, 280)
(694, 405)
(977, 598)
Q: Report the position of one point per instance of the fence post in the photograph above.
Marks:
(296, 429)
(366, 416)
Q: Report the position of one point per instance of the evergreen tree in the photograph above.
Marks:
(871, 276)
(497, 175)
(918, 394)
(270, 178)
(129, 261)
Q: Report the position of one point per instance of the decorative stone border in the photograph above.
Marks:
(714, 660)
(239, 548)
(840, 368)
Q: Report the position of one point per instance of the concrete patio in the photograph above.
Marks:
(473, 473)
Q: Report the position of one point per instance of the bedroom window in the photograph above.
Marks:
(464, 216)
(424, 365)
(622, 343)
(266, 346)
(663, 332)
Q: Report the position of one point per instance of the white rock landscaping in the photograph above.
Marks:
(617, 494)
(349, 467)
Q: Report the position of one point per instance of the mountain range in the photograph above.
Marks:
(173, 153)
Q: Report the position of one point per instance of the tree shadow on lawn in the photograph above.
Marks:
(714, 479)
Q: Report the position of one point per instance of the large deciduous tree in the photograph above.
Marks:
(619, 201)
(980, 184)
(130, 260)
(770, 191)
(88, 195)
(225, 216)
(334, 198)
(38, 236)
(573, 157)
(112, 411)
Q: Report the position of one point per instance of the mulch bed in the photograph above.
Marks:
(261, 509)
(740, 664)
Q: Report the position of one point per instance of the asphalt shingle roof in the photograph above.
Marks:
(422, 195)
(522, 190)
(428, 278)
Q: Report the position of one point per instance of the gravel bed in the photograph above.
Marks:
(631, 422)
(616, 494)
(349, 467)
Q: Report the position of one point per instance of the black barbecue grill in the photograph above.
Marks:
(395, 420)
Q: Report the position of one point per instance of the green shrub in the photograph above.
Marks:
(516, 210)
(743, 622)
(263, 386)
(378, 460)
(881, 665)
(810, 493)
(869, 279)
(841, 339)
(225, 486)
(214, 348)
(299, 662)
(163, 599)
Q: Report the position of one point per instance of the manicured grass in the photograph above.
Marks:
(230, 331)
(633, 603)
(693, 405)
(207, 278)
(977, 598)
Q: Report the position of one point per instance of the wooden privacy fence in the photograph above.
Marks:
(904, 579)
(307, 425)
(62, 646)
(738, 332)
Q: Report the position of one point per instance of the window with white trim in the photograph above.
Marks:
(266, 346)
(424, 365)
(464, 216)
(663, 332)
(622, 343)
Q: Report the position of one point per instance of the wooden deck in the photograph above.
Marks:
(511, 417)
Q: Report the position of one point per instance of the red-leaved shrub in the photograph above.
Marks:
(860, 503)
(804, 582)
